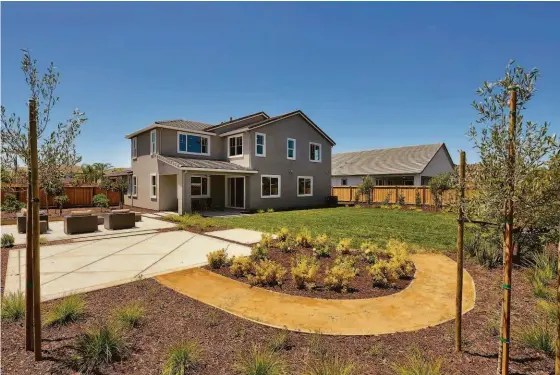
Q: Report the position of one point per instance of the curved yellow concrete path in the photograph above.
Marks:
(428, 300)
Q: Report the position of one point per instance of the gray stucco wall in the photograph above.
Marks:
(142, 167)
(277, 163)
(169, 146)
(168, 192)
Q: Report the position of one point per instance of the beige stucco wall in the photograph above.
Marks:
(169, 146)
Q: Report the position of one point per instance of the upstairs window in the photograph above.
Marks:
(235, 143)
(260, 144)
(291, 149)
(193, 144)
(314, 152)
(133, 148)
(153, 142)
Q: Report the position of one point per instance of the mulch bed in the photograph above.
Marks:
(361, 286)
(171, 317)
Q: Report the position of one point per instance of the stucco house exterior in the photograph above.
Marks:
(250, 163)
(410, 165)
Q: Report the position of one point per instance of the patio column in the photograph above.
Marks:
(187, 201)
(180, 180)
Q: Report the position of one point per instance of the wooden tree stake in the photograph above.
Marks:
(460, 236)
(29, 252)
(557, 362)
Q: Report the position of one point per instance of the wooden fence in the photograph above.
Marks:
(78, 196)
(347, 194)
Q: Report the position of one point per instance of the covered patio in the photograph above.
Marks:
(202, 185)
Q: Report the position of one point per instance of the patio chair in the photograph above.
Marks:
(120, 219)
(80, 222)
(22, 221)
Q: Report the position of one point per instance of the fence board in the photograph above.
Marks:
(78, 196)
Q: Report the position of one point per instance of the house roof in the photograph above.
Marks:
(118, 172)
(233, 121)
(203, 164)
(387, 161)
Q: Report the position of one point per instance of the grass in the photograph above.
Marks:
(99, 346)
(191, 221)
(330, 366)
(423, 229)
(130, 315)
(416, 363)
(538, 335)
(259, 361)
(66, 310)
(13, 306)
(182, 357)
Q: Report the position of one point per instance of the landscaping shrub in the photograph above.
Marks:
(322, 251)
(541, 289)
(330, 366)
(339, 277)
(403, 267)
(549, 311)
(279, 341)
(98, 346)
(60, 200)
(130, 315)
(320, 240)
(266, 240)
(283, 234)
(304, 238)
(66, 310)
(401, 200)
(241, 266)
(43, 240)
(538, 335)
(258, 251)
(8, 240)
(416, 363)
(267, 272)
(397, 249)
(285, 246)
(181, 358)
(304, 271)
(191, 221)
(270, 210)
(417, 198)
(100, 200)
(343, 246)
(485, 247)
(544, 263)
(370, 251)
(383, 273)
(260, 211)
(317, 345)
(11, 204)
(259, 361)
(217, 259)
(13, 306)
(346, 261)
(386, 200)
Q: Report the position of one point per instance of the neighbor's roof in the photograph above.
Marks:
(399, 160)
(203, 164)
(118, 172)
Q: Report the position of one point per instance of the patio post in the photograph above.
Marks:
(180, 190)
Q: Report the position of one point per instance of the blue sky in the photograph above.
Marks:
(371, 75)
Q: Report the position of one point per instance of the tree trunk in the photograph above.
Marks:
(557, 361)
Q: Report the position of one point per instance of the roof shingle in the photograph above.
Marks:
(180, 162)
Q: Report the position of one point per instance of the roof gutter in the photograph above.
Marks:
(191, 169)
(154, 126)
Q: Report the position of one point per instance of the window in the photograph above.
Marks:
(200, 186)
(305, 186)
(344, 181)
(291, 149)
(193, 144)
(314, 152)
(270, 186)
(153, 185)
(153, 142)
(409, 180)
(134, 186)
(133, 145)
(235, 143)
(260, 144)
(379, 182)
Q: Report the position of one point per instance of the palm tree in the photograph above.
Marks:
(100, 169)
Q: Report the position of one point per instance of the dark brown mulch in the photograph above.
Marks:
(171, 317)
(361, 286)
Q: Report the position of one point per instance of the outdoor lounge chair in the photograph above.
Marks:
(22, 221)
(120, 219)
(80, 222)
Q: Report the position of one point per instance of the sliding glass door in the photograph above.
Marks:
(235, 192)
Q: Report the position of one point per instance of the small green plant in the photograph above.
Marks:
(549, 310)
(343, 246)
(317, 346)
(259, 252)
(383, 273)
(60, 200)
(279, 341)
(416, 363)
(130, 315)
(192, 221)
(538, 335)
(13, 306)
(386, 200)
(322, 251)
(100, 200)
(270, 210)
(493, 323)
(11, 204)
(339, 277)
(541, 289)
(304, 238)
(98, 346)
(266, 240)
(260, 211)
(401, 200)
(397, 249)
(217, 259)
(267, 272)
(241, 266)
(259, 361)
(283, 234)
(330, 366)
(370, 251)
(286, 246)
(8, 240)
(66, 310)
(182, 357)
(43, 240)
(321, 240)
(485, 248)
(304, 271)
(417, 198)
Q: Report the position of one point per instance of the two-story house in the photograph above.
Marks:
(250, 163)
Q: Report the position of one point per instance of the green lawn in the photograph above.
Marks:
(426, 229)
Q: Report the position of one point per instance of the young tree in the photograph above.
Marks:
(52, 186)
(366, 187)
(440, 184)
(118, 184)
(60, 200)
(57, 153)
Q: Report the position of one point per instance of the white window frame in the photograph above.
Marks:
(320, 152)
(207, 195)
(152, 186)
(264, 145)
(153, 142)
(279, 185)
(288, 149)
(134, 185)
(229, 149)
(187, 146)
(134, 146)
(297, 187)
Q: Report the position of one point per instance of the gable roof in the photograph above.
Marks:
(203, 164)
(387, 161)
(235, 120)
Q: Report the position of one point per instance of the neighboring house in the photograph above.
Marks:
(412, 165)
(253, 162)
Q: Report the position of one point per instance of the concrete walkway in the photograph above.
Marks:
(429, 300)
(245, 236)
(100, 263)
